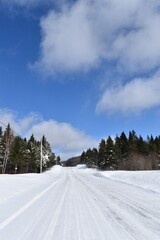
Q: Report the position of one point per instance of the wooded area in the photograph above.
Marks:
(124, 153)
(18, 155)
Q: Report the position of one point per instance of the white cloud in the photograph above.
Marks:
(83, 34)
(20, 125)
(63, 137)
(133, 97)
(68, 42)
(89, 31)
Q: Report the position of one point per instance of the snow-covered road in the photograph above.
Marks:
(72, 204)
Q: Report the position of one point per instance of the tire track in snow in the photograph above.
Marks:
(78, 216)
(108, 213)
(54, 220)
(39, 215)
(119, 215)
(137, 206)
(133, 202)
(91, 205)
(118, 219)
(151, 218)
(65, 234)
(25, 207)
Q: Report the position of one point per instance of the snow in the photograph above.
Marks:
(145, 179)
(80, 204)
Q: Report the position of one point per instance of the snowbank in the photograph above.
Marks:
(11, 185)
(146, 179)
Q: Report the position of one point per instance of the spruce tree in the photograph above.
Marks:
(90, 161)
(142, 146)
(58, 160)
(1, 148)
(7, 141)
(117, 151)
(82, 158)
(48, 158)
(124, 147)
(132, 140)
(34, 154)
(102, 154)
(17, 156)
(110, 162)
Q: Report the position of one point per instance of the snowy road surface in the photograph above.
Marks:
(72, 204)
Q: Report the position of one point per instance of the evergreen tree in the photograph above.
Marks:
(102, 154)
(124, 147)
(1, 148)
(90, 160)
(95, 156)
(34, 154)
(49, 158)
(82, 158)
(7, 141)
(157, 145)
(151, 144)
(117, 151)
(142, 146)
(110, 162)
(132, 153)
(132, 141)
(58, 160)
(17, 157)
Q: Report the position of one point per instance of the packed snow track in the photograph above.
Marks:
(71, 204)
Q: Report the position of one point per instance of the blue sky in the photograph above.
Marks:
(78, 71)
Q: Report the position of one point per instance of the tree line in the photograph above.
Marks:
(18, 155)
(124, 153)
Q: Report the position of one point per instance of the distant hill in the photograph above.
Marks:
(71, 162)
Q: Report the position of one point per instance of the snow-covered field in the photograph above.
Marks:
(80, 204)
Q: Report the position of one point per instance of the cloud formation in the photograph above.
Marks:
(20, 125)
(133, 97)
(68, 41)
(63, 138)
(88, 32)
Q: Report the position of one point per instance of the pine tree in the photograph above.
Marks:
(124, 147)
(7, 141)
(142, 146)
(151, 144)
(1, 148)
(117, 151)
(110, 162)
(157, 145)
(89, 158)
(49, 158)
(17, 157)
(58, 160)
(132, 140)
(102, 154)
(34, 154)
(95, 156)
(82, 158)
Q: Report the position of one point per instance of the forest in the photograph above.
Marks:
(132, 152)
(18, 155)
(123, 152)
